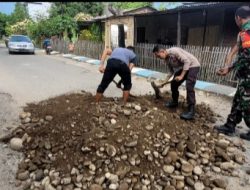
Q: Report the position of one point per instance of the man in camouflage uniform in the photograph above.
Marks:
(241, 103)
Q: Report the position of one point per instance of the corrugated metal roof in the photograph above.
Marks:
(200, 5)
(187, 7)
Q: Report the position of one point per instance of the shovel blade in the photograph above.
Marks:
(156, 89)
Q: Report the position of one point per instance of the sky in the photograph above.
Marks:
(8, 7)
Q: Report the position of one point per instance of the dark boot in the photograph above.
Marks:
(189, 114)
(172, 104)
(245, 136)
(227, 128)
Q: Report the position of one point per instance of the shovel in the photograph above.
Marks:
(156, 88)
(119, 85)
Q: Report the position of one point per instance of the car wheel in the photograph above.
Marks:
(10, 52)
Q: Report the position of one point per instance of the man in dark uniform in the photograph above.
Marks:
(241, 102)
(121, 62)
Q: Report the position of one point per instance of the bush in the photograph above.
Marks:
(18, 28)
(85, 35)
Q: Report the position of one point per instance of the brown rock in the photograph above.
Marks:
(220, 152)
(240, 159)
(220, 183)
(123, 186)
(95, 187)
(23, 175)
(173, 155)
(187, 168)
(191, 146)
(169, 188)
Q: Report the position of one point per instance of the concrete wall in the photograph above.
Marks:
(128, 21)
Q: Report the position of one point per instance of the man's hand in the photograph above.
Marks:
(178, 78)
(223, 71)
(102, 68)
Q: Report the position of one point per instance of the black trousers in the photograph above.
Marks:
(115, 66)
(190, 77)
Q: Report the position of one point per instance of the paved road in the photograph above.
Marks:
(35, 77)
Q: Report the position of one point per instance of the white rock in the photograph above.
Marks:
(66, 180)
(146, 182)
(147, 152)
(49, 187)
(223, 143)
(27, 120)
(165, 151)
(197, 170)
(23, 115)
(178, 177)
(48, 118)
(216, 169)
(114, 178)
(113, 186)
(227, 165)
(74, 171)
(168, 169)
(199, 186)
(92, 167)
(16, 144)
(166, 135)
(113, 121)
(149, 127)
(107, 175)
(138, 108)
(46, 181)
(127, 112)
(156, 154)
(79, 178)
(180, 184)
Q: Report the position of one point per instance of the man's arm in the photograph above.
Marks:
(181, 76)
(181, 56)
(230, 56)
(228, 62)
(131, 65)
(105, 53)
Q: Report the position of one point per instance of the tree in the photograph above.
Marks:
(166, 5)
(131, 5)
(20, 13)
(71, 9)
(3, 22)
(18, 28)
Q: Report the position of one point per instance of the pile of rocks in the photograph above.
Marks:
(109, 146)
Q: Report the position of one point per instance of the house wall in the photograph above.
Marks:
(230, 29)
(220, 30)
(158, 27)
(214, 27)
(128, 21)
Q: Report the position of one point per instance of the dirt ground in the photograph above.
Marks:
(72, 132)
(9, 119)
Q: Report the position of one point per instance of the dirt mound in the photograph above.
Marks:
(69, 142)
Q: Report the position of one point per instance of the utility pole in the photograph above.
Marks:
(179, 29)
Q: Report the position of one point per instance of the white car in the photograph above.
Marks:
(20, 43)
